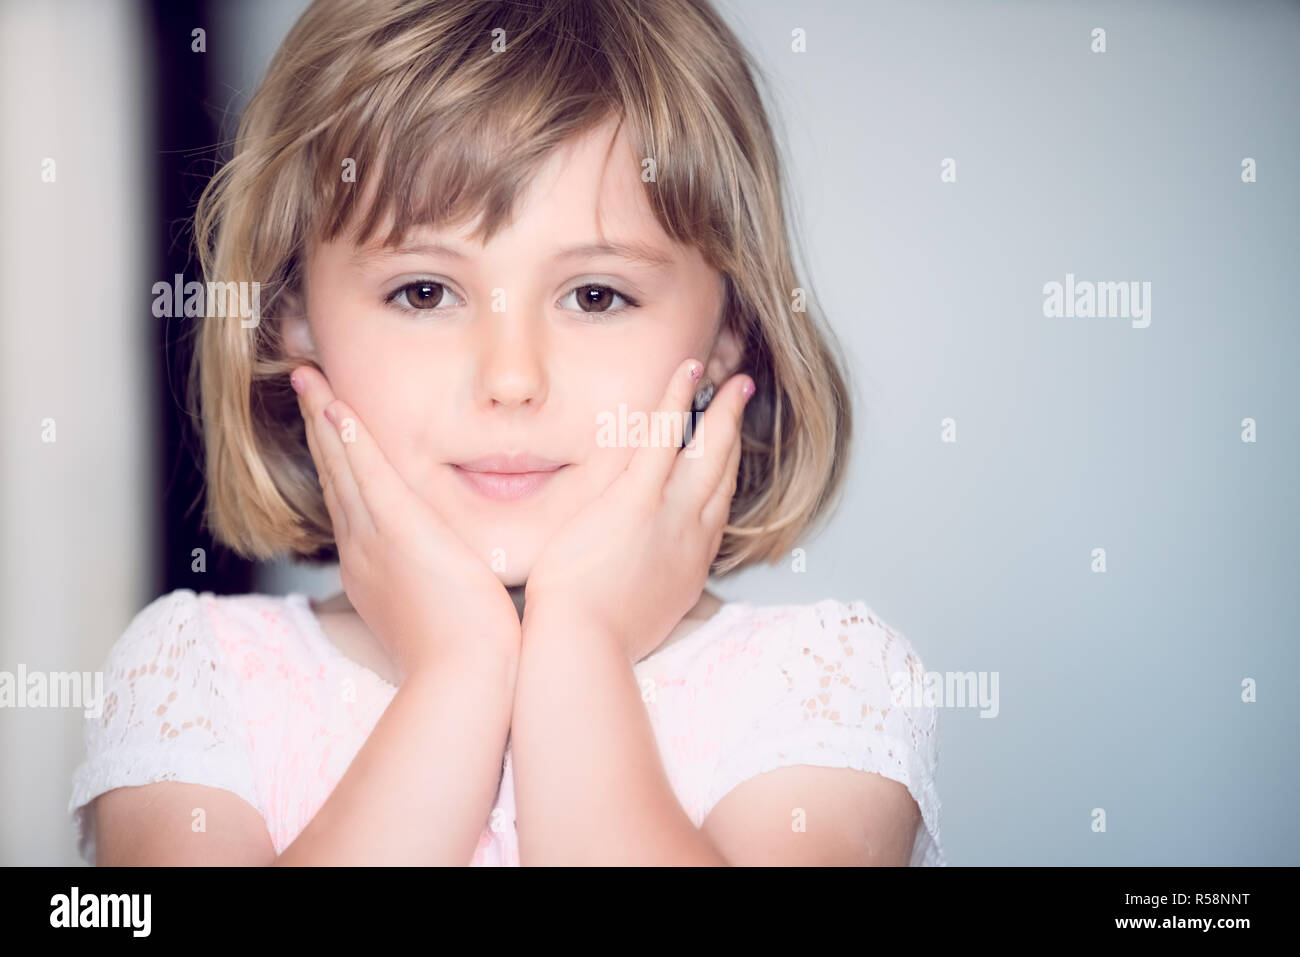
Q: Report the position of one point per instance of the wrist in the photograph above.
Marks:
(480, 658)
(572, 628)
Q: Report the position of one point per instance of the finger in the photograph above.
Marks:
(651, 463)
(718, 508)
(331, 459)
(312, 446)
(701, 468)
(378, 484)
(337, 520)
(337, 516)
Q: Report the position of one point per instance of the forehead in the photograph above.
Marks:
(595, 176)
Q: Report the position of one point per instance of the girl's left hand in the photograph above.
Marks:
(636, 560)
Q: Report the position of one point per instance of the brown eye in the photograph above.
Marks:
(595, 298)
(421, 295)
(601, 300)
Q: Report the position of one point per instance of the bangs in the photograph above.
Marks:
(448, 122)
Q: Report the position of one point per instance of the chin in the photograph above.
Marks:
(508, 550)
(513, 581)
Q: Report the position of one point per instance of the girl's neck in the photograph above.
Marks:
(704, 609)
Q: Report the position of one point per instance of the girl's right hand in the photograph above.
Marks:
(413, 581)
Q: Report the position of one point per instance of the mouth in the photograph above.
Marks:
(508, 478)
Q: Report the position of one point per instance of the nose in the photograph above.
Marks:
(513, 372)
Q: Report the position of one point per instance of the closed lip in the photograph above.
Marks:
(510, 464)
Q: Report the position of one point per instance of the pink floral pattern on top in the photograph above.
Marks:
(246, 693)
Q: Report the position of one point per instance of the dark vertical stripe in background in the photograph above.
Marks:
(186, 151)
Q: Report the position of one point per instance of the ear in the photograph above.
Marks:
(727, 353)
(295, 332)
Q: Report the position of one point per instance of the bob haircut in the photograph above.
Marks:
(416, 95)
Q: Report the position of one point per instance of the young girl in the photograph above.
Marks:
(508, 249)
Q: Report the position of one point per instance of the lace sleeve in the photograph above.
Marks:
(820, 695)
(169, 713)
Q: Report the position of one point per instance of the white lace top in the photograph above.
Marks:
(247, 694)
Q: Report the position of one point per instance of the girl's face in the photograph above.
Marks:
(456, 355)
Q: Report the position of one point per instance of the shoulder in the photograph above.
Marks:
(168, 614)
(229, 656)
(828, 648)
(170, 707)
(166, 630)
(173, 658)
(819, 684)
(188, 625)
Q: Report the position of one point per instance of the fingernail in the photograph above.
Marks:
(696, 369)
(748, 390)
(332, 414)
(295, 381)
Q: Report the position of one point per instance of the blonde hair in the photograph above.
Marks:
(415, 95)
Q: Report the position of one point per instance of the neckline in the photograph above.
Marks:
(300, 602)
(709, 624)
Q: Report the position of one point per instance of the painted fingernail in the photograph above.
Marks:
(748, 390)
(696, 369)
(332, 414)
(295, 381)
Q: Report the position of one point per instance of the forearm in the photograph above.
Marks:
(590, 787)
(420, 790)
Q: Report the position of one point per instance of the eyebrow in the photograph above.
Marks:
(630, 251)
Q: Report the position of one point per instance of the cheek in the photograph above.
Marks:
(631, 381)
(404, 415)
(636, 378)
(604, 465)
